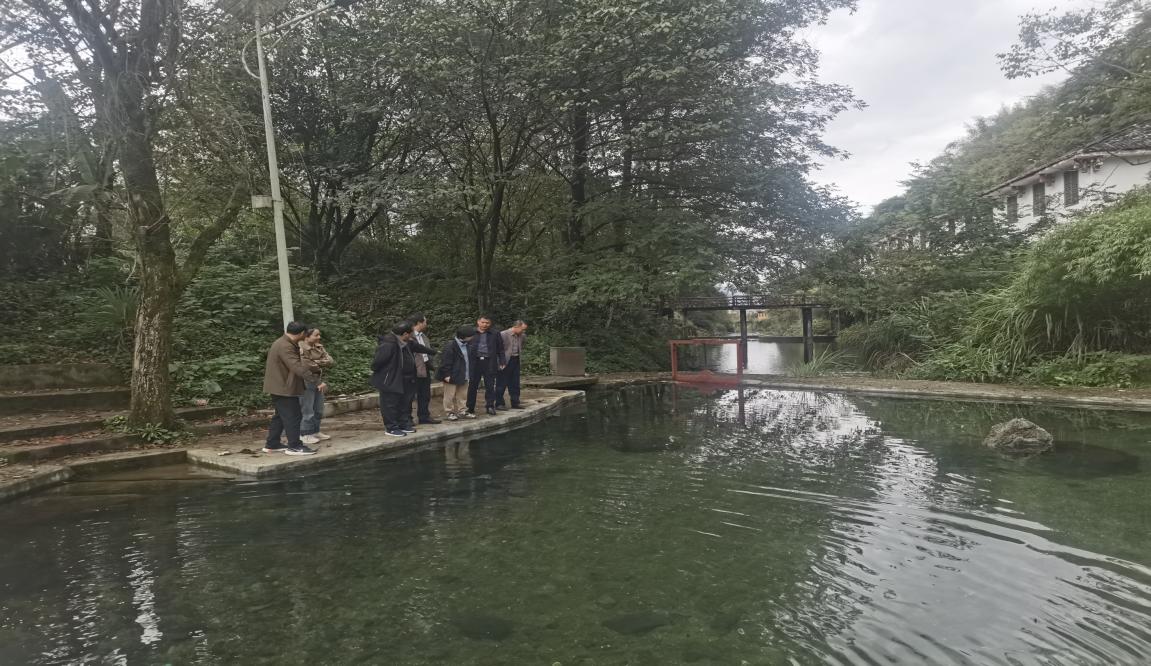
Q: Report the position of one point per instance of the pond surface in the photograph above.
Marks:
(657, 526)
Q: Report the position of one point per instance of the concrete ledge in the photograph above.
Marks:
(35, 452)
(37, 479)
(362, 401)
(51, 375)
(927, 390)
(30, 402)
(352, 445)
(559, 382)
(128, 460)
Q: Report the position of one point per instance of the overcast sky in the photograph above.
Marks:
(925, 68)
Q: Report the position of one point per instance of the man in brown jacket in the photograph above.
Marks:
(284, 378)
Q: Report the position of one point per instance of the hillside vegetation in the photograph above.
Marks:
(985, 303)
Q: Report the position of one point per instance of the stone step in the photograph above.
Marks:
(52, 450)
(58, 424)
(57, 376)
(52, 400)
(19, 480)
(128, 460)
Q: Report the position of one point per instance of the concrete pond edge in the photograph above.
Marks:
(262, 466)
(1002, 394)
(46, 476)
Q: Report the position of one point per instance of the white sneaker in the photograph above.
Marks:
(452, 417)
(310, 439)
(323, 437)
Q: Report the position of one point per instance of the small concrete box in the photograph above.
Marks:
(569, 361)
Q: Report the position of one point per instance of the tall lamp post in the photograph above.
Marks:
(270, 143)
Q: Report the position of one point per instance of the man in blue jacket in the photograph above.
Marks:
(486, 358)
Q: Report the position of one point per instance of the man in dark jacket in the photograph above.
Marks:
(486, 358)
(454, 372)
(394, 376)
(284, 377)
(424, 370)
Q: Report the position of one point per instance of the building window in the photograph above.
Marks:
(1071, 187)
(1039, 199)
(1012, 209)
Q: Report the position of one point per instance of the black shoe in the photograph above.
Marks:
(408, 429)
(502, 408)
(518, 407)
(430, 421)
(492, 411)
(301, 450)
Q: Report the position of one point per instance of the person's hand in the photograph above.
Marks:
(502, 367)
(447, 380)
(323, 387)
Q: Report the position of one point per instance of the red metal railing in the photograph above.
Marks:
(707, 376)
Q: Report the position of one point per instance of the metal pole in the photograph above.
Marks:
(743, 337)
(274, 178)
(808, 336)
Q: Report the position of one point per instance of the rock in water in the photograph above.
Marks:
(479, 626)
(635, 624)
(1019, 436)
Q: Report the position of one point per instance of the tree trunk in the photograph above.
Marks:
(580, 140)
(627, 178)
(151, 382)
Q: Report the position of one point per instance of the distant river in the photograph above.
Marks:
(764, 358)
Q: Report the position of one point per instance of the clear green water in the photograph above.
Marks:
(652, 527)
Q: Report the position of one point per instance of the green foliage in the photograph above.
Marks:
(827, 361)
(110, 313)
(1092, 369)
(151, 433)
(1074, 311)
(227, 319)
(894, 341)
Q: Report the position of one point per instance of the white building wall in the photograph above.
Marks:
(1100, 181)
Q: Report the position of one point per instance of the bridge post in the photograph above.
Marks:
(743, 336)
(808, 336)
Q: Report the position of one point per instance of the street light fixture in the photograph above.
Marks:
(270, 143)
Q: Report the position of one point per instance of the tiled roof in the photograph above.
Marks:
(1136, 136)
(1132, 137)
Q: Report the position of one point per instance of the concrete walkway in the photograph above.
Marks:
(361, 434)
(355, 427)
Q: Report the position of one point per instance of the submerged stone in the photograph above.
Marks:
(634, 624)
(480, 626)
(1019, 436)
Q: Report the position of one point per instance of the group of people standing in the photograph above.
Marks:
(402, 372)
(403, 369)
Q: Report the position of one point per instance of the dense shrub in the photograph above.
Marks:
(1093, 369)
(230, 314)
(1075, 311)
(897, 340)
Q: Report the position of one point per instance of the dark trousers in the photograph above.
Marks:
(285, 420)
(396, 408)
(484, 369)
(423, 399)
(509, 380)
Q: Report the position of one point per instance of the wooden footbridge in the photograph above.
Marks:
(744, 302)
